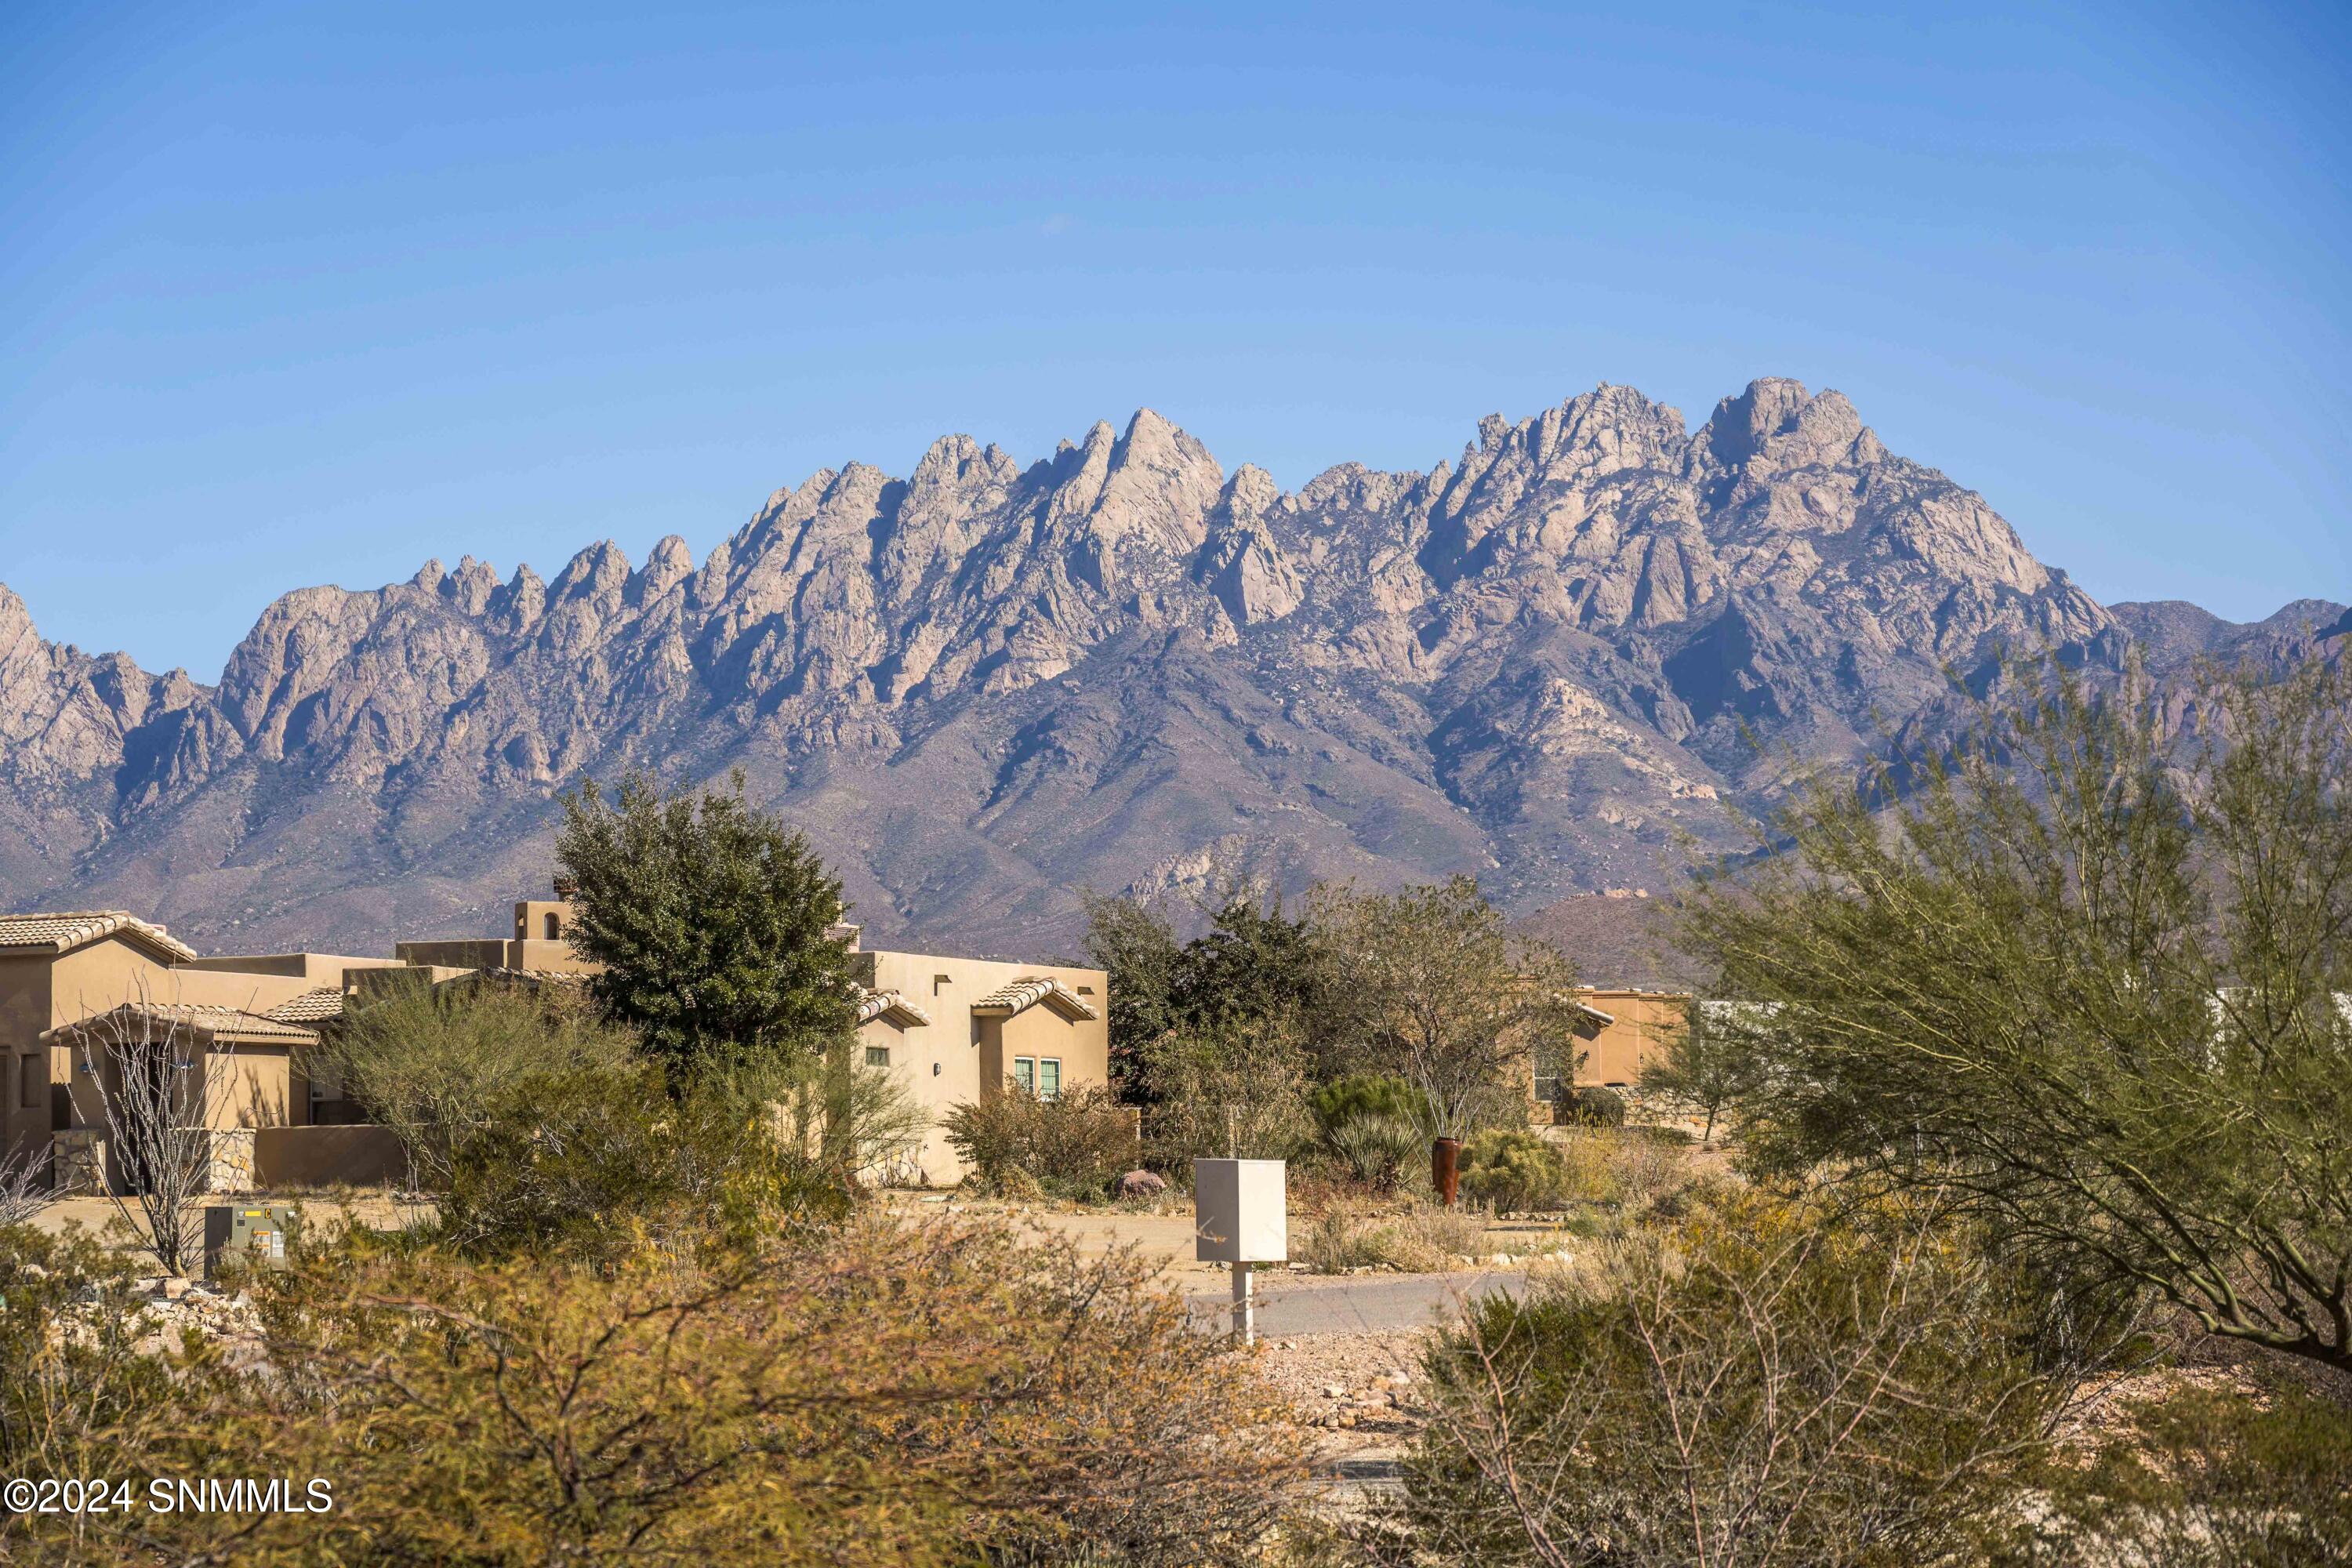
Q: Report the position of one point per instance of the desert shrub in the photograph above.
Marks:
(1072, 1145)
(2208, 1477)
(1593, 1106)
(1418, 1240)
(430, 1064)
(1644, 1169)
(852, 1122)
(1588, 1166)
(75, 1394)
(1762, 1384)
(583, 1164)
(1236, 1088)
(1375, 1150)
(870, 1393)
(1506, 1168)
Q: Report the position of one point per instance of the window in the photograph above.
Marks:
(940, 983)
(37, 1083)
(1049, 1077)
(1024, 1073)
(554, 926)
(878, 1056)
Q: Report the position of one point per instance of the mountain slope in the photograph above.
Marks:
(986, 685)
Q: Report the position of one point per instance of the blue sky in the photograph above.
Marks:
(308, 294)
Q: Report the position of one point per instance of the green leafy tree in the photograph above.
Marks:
(710, 917)
(1703, 1070)
(2093, 974)
(1137, 948)
(1427, 984)
(1253, 963)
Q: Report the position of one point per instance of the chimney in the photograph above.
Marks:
(844, 933)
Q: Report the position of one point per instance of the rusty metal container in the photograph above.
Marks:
(1445, 1168)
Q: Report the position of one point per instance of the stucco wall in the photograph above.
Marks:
(24, 1013)
(1645, 1022)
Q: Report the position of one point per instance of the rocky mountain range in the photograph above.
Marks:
(1558, 664)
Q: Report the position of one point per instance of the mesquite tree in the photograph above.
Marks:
(2093, 972)
(1428, 984)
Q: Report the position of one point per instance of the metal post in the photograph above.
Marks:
(1244, 1307)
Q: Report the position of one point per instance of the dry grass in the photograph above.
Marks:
(1417, 1240)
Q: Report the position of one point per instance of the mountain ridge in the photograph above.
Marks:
(987, 684)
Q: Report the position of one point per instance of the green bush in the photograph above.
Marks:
(581, 1164)
(1071, 1145)
(1595, 1106)
(1357, 1094)
(1506, 1168)
(430, 1064)
(2208, 1478)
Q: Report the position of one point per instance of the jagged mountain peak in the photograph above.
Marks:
(989, 683)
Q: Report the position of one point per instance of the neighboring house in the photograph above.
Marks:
(955, 1028)
(1620, 1032)
(952, 1028)
(57, 969)
(248, 1065)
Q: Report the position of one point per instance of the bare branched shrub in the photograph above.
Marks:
(159, 1083)
(1761, 1386)
(24, 1184)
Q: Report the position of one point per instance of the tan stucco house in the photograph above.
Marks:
(955, 1028)
(951, 1029)
(1618, 1034)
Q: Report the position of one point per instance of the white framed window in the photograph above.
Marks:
(1024, 1073)
(878, 1056)
(1049, 1078)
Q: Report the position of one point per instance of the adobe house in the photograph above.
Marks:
(957, 1029)
(951, 1029)
(1618, 1034)
(57, 969)
(246, 1066)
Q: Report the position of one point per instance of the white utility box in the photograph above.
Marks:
(1241, 1211)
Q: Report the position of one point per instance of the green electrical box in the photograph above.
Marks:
(256, 1230)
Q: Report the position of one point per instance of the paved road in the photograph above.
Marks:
(1297, 1304)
